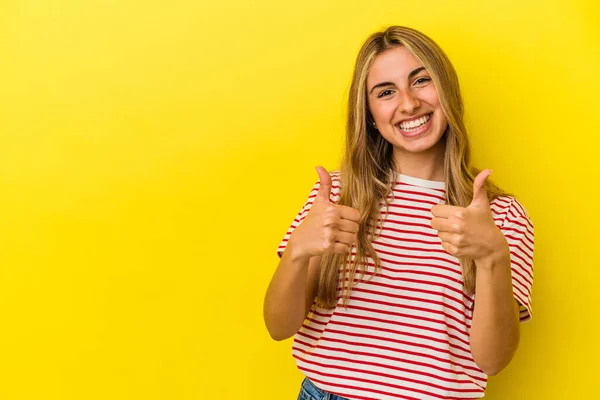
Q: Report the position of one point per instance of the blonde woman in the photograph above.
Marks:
(407, 273)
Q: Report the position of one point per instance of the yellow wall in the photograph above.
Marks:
(152, 154)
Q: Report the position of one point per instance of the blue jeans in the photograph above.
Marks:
(308, 391)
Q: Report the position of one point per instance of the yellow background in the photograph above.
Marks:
(152, 155)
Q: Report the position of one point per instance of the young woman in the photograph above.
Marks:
(406, 274)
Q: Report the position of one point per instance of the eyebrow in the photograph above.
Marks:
(410, 76)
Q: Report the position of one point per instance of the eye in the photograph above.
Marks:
(384, 93)
(422, 80)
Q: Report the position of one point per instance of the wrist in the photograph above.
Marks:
(295, 253)
(498, 255)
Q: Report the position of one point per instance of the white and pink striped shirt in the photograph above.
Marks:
(405, 332)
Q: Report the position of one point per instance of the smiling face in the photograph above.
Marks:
(404, 104)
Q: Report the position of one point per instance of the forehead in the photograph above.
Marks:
(392, 65)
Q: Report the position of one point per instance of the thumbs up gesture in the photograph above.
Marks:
(470, 232)
(328, 228)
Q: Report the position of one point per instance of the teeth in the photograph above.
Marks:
(416, 123)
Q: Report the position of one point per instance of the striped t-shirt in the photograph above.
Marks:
(405, 332)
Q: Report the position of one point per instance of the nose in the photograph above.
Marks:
(408, 103)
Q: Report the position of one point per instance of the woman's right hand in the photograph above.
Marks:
(328, 228)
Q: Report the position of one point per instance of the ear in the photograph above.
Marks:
(370, 120)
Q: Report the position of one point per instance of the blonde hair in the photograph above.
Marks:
(367, 170)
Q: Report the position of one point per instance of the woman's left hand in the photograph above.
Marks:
(470, 232)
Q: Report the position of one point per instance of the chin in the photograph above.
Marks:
(417, 149)
(421, 144)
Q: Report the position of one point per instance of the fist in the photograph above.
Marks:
(328, 228)
(470, 232)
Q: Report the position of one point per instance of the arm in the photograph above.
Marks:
(495, 328)
(471, 233)
(328, 228)
(291, 293)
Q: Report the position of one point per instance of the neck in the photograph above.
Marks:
(428, 165)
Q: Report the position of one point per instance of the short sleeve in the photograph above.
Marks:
(333, 197)
(517, 228)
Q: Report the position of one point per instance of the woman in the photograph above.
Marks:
(406, 274)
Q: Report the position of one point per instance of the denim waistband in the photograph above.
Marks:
(317, 393)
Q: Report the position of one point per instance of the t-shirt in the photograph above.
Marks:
(405, 331)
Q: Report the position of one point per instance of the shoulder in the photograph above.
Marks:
(508, 210)
(336, 187)
(336, 182)
(336, 177)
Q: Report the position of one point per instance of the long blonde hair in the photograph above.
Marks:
(367, 170)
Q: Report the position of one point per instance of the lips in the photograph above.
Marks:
(416, 126)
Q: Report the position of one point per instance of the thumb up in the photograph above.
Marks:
(328, 228)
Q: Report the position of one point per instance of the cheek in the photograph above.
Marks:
(431, 97)
(443, 121)
(441, 117)
(383, 111)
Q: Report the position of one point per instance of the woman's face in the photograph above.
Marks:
(404, 102)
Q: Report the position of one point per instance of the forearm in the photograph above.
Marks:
(495, 327)
(285, 301)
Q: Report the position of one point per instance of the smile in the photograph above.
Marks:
(414, 125)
